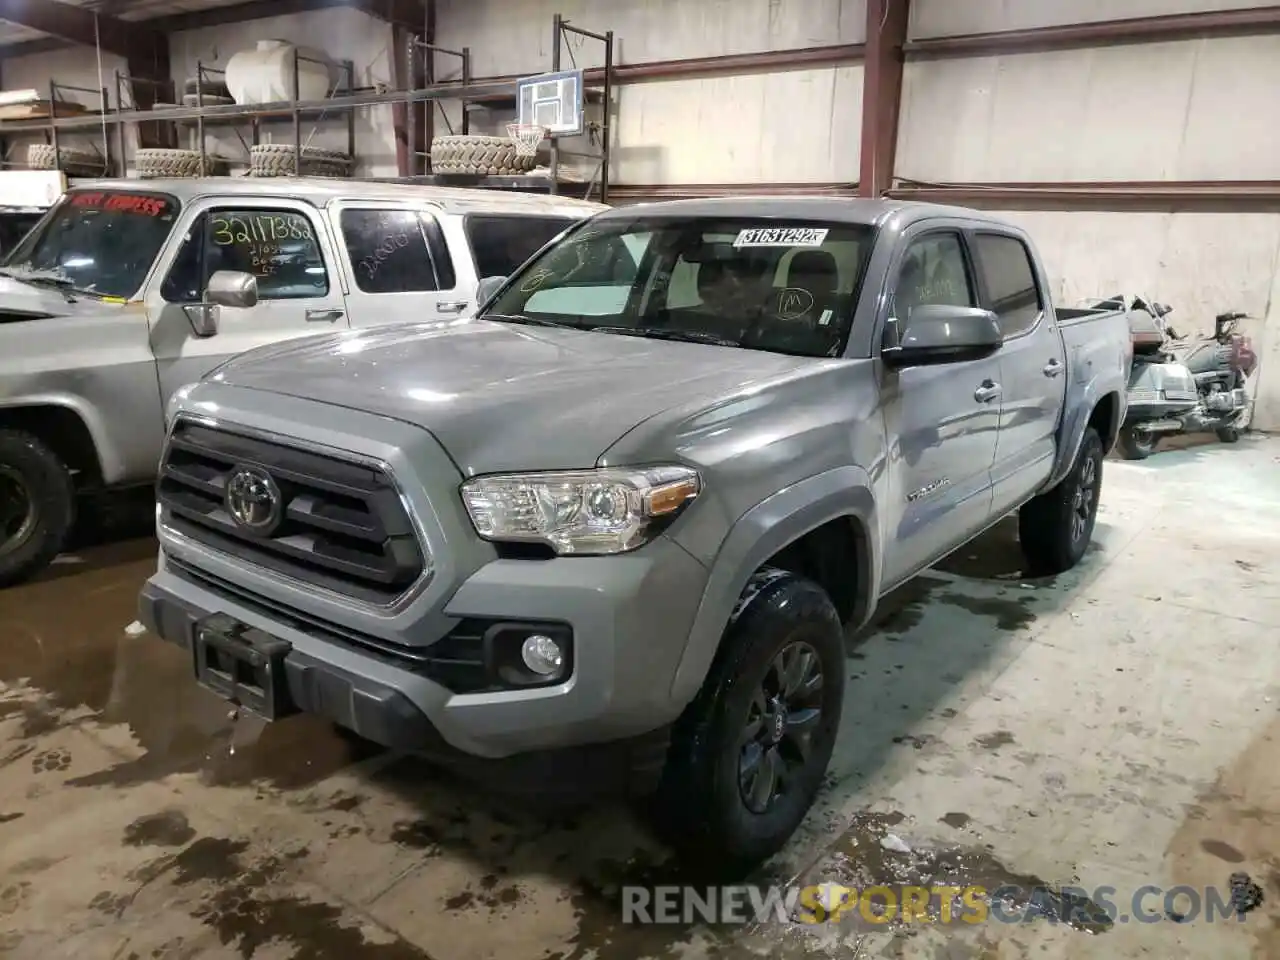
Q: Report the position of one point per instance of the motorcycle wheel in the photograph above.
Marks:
(1137, 444)
(1228, 434)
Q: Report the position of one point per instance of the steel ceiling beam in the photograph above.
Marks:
(73, 24)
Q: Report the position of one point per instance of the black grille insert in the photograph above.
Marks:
(344, 527)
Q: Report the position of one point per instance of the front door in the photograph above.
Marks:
(1032, 368)
(284, 243)
(943, 419)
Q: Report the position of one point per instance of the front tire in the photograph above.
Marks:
(37, 506)
(1137, 444)
(1055, 528)
(1228, 434)
(748, 755)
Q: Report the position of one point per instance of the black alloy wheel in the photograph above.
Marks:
(784, 712)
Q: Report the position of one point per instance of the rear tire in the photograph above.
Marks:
(37, 506)
(771, 703)
(1228, 434)
(1137, 444)
(1056, 527)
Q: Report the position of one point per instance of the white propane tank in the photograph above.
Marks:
(265, 74)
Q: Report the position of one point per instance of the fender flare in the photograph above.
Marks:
(760, 533)
(1072, 432)
(110, 467)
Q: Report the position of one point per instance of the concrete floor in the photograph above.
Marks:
(1115, 727)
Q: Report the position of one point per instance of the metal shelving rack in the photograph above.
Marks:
(346, 100)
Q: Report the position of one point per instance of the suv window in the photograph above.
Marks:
(278, 247)
(502, 243)
(390, 252)
(1005, 266)
(934, 271)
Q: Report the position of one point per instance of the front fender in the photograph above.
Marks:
(110, 463)
(760, 533)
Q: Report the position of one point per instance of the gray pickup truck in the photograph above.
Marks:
(618, 524)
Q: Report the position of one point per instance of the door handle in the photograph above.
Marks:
(323, 316)
(1052, 368)
(987, 392)
(452, 306)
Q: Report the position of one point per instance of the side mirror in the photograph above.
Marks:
(1162, 309)
(487, 288)
(935, 333)
(231, 288)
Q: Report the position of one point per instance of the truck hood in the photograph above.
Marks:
(23, 301)
(501, 397)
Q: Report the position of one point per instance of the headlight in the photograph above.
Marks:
(609, 510)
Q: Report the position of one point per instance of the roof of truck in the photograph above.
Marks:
(320, 192)
(834, 209)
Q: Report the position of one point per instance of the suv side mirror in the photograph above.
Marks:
(487, 288)
(938, 333)
(231, 288)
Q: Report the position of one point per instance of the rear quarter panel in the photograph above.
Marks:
(1099, 352)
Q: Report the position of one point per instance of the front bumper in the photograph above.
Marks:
(630, 617)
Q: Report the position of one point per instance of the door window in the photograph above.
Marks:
(934, 271)
(278, 247)
(391, 251)
(1010, 281)
(502, 243)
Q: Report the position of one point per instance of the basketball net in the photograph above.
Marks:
(527, 137)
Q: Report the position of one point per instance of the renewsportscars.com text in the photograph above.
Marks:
(831, 903)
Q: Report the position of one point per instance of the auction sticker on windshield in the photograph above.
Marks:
(780, 237)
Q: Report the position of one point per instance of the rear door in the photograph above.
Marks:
(400, 264)
(282, 242)
(1032, 367)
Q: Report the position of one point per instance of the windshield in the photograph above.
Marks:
(779, 285)
(96, 242)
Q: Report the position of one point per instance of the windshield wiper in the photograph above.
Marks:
(661, 333)
(64, 284)
(529, 321)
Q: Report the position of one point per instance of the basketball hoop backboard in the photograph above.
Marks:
(553, 101)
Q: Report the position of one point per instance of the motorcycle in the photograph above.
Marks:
(1180, 385)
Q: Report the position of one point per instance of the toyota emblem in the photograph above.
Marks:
(254, 500)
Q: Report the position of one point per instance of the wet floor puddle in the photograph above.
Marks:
(903, 883)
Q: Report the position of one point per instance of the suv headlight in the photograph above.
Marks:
(602, 511)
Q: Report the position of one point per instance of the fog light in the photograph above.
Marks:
(542, 655)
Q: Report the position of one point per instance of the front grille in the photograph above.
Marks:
(343, 526)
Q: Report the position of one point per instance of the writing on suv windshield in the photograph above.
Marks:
(779, 285)
(98, 242)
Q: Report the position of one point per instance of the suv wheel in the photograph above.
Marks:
(37, 506)
(749, 753)
(1055, 528)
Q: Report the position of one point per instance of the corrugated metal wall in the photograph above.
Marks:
(796, 126)
(1193, 110)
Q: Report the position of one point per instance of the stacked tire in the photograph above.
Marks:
(151, 164)
(71, 160)
(478, 156)
(279, 160)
